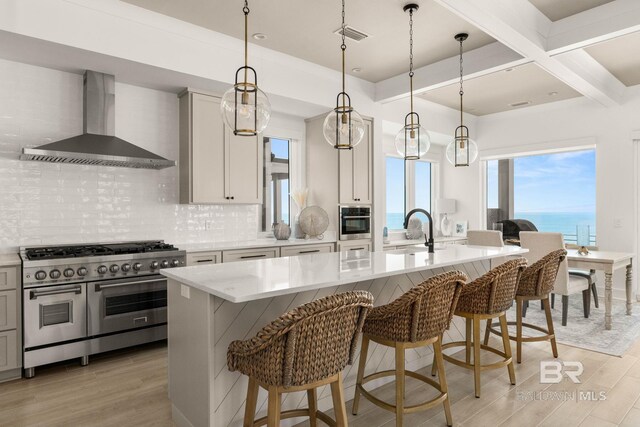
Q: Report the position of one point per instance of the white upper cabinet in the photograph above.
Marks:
(355, 171)
(216, 167)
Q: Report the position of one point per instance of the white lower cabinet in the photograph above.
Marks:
(8, 350)
(10, 323)
(306, 249)
(203, 258)
(355, 245)
(250, 254)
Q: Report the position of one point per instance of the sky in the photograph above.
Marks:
(561, 182)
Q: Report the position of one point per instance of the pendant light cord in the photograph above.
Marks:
(411, 62)
(246, 11)
(461, 80)
(343, 46)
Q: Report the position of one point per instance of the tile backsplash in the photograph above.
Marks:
(43, 203)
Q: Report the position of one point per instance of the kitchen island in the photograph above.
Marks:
(210, 306)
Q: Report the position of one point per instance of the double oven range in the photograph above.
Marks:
(80, 300)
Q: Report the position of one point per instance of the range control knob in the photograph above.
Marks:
(175, 263)
(164, 264)
(154, 264)
(114, 268)
(82, 271)
(69, 272)
(102, 269)
(54, 274)
(41, 275)
(126, 267)
(137, 266)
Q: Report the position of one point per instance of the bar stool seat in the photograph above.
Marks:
(416, 319)
(536, 283)
(303, 349)
(487, 297)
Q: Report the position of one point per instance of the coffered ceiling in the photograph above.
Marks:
(559, 9)
(620, 56)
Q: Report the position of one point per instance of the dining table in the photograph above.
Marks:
(609, 262)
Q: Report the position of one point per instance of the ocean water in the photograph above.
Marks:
(563, 222)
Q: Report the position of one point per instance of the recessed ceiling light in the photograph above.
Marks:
(520, 104)
(259, 36)
(553, 93)
(508, 69)
(356, 70)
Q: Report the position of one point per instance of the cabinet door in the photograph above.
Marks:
(8, 313)
(355, 245)
(305, 249)
(244, 168)
(202, 258)
(8, 352)
(8, 278)
(207, 150)
(346, 185)
(362, 167)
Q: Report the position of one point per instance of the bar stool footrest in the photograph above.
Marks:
(296, 413)
(546, 337)
(495, 365)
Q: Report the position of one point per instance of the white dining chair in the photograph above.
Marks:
(487, 238)
(539, 245)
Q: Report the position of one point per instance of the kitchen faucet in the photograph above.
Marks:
(428, 241)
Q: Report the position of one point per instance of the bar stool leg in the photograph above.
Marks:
(273, 407)
(547, 311)
(487, 331)
(434, 364)
(364, 348)
(468, 341)
(476, 353)
(313, 407)
(507, 347)
(338, 402)
(519, 304)
(399, 383)
(437, 351)
(250, 404)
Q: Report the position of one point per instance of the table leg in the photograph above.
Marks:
(608, 284)
(628, 286)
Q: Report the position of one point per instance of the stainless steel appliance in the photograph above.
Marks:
(355, 222)
(80, 300)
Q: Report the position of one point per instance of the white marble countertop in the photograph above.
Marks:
(410, 242)
(251, 280)
(249, 244)
(7, 260)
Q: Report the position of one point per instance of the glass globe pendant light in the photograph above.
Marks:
(343, 127)
(412, 142)
(462, 151)
(244, 107)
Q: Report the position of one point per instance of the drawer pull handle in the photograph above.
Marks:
(253, 256)
(204, 260)
(356, 249)
(309, 252)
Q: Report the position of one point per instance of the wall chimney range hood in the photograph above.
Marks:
(98, 144)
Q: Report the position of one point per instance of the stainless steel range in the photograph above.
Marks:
(80, 300)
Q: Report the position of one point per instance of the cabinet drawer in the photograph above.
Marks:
(306, 249)
(355, 246)
(8, 278)
(250, 254)
(8, 350)
(390, 248)
(202, 258)
(8, 310)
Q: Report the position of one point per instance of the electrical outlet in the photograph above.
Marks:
(617, 223)
(208, 225)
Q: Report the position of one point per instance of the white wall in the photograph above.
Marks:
(42, 203)
(565, 124)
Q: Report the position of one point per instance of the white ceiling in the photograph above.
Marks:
(620, 57)
(304, 29)
(559, 9)
(493, 93)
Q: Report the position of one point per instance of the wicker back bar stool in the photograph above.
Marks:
(487, 297)
(416, 319)
(536, 283)
(303, 349)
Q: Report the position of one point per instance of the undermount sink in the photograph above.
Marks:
(410, 250)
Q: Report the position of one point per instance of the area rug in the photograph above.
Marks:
(588, 333)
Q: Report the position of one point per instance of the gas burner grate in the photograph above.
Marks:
(97, 250)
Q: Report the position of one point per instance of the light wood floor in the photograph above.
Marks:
(128, 388)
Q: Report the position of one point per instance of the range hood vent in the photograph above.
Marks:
(97, 145)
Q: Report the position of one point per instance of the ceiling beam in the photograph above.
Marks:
(523, 28)
(592, 26)
(478, 62)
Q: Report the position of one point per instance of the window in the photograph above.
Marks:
(418, 187)
(275, 208)
(556, 192)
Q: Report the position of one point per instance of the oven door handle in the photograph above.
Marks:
(57, 291)
(100, 287)
(355, 216)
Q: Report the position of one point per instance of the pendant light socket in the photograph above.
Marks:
(460, 37)
(410, 7)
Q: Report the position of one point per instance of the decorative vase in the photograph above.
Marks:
(281, 231)
(297, 231)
